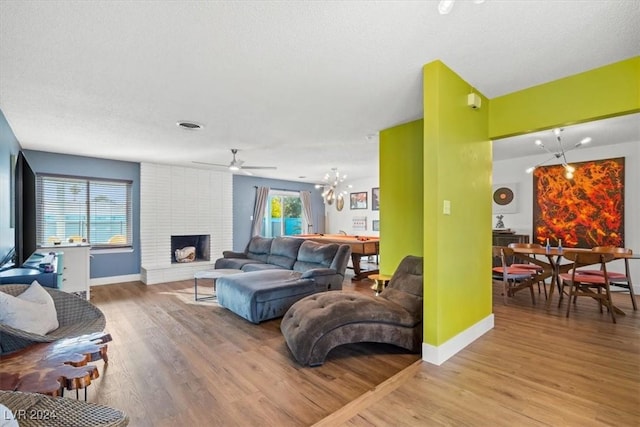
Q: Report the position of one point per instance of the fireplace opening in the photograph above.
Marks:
(190, 248)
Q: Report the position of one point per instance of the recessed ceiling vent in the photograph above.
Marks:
(189, 125)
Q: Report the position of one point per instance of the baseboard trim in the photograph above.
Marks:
(99, 281)
(438, 355)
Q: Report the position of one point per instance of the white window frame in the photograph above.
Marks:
(86, 208)
(267, 229)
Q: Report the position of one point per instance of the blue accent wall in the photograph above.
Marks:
(102, 264)
(8, 146)
(244, 197)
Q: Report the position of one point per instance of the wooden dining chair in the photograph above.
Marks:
(621, 280)
(536, 268)
(582, 284)
(513, 279)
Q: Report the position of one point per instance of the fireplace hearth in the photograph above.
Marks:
(182, 244)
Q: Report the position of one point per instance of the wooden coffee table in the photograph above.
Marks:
(49, 368)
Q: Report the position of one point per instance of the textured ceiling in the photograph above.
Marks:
(293, 84)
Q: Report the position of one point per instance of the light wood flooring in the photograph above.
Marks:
(175, 362)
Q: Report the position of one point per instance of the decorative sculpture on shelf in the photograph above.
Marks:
(500, 224)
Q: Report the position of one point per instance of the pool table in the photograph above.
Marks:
(360, 246)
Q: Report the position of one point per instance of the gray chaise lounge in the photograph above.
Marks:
(278, 272)
(317, 324)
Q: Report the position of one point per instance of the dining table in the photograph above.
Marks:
(550, 261)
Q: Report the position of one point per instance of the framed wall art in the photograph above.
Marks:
(358, 200)
(359, 223)
(585, 211)
(375, 199)
(505, 198)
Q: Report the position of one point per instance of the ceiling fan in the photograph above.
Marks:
(235, 164)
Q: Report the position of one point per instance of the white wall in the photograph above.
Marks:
(513, 171)
(343, 220)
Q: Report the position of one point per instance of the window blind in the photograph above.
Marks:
(74, 210)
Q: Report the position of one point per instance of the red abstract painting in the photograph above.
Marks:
(585, 211)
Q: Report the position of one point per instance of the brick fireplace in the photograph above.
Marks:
(180, 207)
(198, 241)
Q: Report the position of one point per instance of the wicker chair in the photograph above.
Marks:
(37, 410)
(76, 316)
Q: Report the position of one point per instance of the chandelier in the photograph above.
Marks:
(560, 153)
(332, 188)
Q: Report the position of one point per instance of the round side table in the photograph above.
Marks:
(381, 281)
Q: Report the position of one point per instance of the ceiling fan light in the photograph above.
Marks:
(234, 168)
(570, 169)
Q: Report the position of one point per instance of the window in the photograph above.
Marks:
(283, 214)
(70, 209)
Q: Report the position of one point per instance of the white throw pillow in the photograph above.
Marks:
(32, 311)
(7, 419)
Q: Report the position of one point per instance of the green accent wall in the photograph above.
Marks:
(603, 92)
(401, 192)
(457, 168)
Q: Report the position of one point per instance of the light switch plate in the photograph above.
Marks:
(446, 207)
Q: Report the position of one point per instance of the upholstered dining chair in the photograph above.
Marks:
(513, 279)
(621, 280)
(582, 284)
(536, 268)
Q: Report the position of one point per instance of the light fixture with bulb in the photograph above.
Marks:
(331, 191)
(560, 154)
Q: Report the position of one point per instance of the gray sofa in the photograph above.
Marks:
(278, 272)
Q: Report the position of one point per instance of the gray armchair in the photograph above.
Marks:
(315, 325)
(76, 316)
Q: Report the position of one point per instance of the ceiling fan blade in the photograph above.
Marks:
(210, 164)
(258, 167)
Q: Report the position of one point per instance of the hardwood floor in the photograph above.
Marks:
(174, 362)
(534, 368)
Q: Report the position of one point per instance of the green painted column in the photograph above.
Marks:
(457, 169)
(400, 194)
